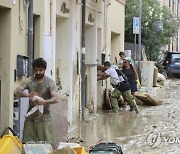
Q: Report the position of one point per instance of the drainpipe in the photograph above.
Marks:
(30, 53)
(53, 34)
(178, 6)
(139, 40)
(83, 67)
(105, 29)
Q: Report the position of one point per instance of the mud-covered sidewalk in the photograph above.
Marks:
(154, 130)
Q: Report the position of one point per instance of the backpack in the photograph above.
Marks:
(123, 86)
(120, 73)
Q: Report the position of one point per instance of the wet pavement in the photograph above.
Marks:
(154, 130)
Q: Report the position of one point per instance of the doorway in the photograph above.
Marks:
(115, 47)
(5, 47)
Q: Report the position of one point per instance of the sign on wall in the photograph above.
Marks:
(135, 25)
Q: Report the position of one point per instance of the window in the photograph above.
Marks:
(175, 56)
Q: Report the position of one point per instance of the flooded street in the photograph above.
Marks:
(154, 130)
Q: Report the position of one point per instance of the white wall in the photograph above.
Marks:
(116, 23)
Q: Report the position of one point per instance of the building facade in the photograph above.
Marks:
(57, 37)
(13, 42)
(174, 6)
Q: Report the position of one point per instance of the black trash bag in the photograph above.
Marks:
(106, 148)
(123, 86)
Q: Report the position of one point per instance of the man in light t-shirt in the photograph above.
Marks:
(110, 71)
(122, 56)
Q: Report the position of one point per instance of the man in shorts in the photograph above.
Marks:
(38, 127)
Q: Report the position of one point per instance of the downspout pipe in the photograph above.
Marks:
(83, 67)
(30, 52)
(139, 40)
(53, 34)
(105, 27)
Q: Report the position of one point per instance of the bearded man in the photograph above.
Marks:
(38, 128)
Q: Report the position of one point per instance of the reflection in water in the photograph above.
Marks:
(109, 127)
(131, 130)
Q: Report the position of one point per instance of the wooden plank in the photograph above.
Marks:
(144, 55)
(148, 100)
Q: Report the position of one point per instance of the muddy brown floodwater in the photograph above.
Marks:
(155, 130)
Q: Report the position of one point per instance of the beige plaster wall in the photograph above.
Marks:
(14, 29)
(12, 42)
(5, 3)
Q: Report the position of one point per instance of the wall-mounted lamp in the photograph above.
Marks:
(90, 18)
(64, 9)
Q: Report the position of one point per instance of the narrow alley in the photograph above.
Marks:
(153, 130)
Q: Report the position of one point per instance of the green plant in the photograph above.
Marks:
(152, 38)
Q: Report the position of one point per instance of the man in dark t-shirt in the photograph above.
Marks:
(38, 128)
